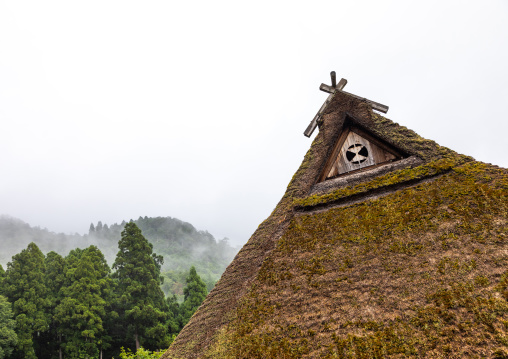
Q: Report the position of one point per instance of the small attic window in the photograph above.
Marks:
(357, 153)
(356, 150)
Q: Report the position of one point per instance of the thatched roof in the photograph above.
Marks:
(408, 259)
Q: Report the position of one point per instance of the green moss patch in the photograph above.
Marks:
(390, 179)
(419, 273)
(341, 283)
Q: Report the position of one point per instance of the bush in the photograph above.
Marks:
(140, 354)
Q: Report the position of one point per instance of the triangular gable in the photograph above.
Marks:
(356, 149)
(415, 160)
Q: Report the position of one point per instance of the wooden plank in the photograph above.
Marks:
(363, 169)
(326, 88)
(332, 90)
(334, 171)
(341, 164)
(313, 124)
(377, 142)
(375, 105)
(341, 84)
(330, 166)
(338, 164)
(353, 139)
(380, 155)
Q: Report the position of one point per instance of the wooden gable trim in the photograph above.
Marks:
(334, 154)
(350, 125)
(377, 142)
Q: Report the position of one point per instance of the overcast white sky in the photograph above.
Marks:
(112, 110)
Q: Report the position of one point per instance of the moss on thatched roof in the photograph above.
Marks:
(412, 262)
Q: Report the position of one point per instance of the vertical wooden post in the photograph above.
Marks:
(332, 90)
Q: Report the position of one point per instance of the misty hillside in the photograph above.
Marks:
(15, 235)
(179, 242)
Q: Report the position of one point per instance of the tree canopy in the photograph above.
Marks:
(74, 307)
(25, 288)
(141, 300)
(82, 310)
(194, 294)
(8, 337)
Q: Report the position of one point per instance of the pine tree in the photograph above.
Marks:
(144, 309)
(71, 261)
(25, 288)
(82, 310)
(174, 318)
(2, 275)
(8, 337)
(55, 280)
(194, 294)
(91, 230)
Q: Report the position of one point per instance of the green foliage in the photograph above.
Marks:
(54, 280)
(15, 235)
(142, 303)
(174, 322)
(25, 288)
(82, 309)
(2, 276)
(194, 294)
(55, 275)
(74, 307)
(181, 244)
(140, 354)
(8, 337)
(390, 179)
(416, 273)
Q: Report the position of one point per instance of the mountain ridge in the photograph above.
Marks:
(179, 242)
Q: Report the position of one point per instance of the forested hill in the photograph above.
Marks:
(15, 235)
(181, 245)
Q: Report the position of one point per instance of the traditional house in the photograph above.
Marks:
(385, 245)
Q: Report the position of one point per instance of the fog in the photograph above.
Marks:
(196, 110)
(15, 235)
(179, 243)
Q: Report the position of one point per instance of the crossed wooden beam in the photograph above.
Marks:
(332, 90)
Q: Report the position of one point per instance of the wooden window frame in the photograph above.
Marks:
(340, 142)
